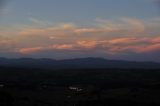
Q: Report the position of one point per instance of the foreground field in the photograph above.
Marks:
(91, 87)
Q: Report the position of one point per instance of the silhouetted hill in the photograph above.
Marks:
(80, 63)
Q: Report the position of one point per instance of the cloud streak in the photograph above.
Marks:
(113, 46)
(38, 21)
(123, 36)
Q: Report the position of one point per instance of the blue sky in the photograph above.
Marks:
(115, 29)
(78, 11)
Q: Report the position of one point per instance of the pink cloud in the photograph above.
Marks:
(150, 48)
(114, 45)
(87, 44)
(124, 35)
(63, 46)
(31, 50)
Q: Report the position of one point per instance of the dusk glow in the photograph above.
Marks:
(59, 29)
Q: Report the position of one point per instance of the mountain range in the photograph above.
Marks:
(78, 63)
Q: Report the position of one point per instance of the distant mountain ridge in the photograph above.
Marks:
(79, 63)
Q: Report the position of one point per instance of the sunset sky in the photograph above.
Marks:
(60, 29)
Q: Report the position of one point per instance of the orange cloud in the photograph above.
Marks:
(114, 45)
(87, 44)
(155, 40)
(93, 30)
(31, 50)
(63, 46)
(150, 48)
(124, 35)
(6, 45)
(123, 40)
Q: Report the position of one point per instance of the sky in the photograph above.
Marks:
(62, 29)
